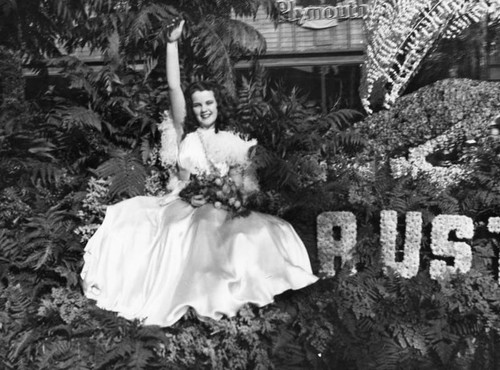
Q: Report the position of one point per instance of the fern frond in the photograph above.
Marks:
(343, 118)
(21, 343)
(127, 173)
(211, 46)
(120, 353)
(222, 41)
(145, 22)
(59, 352)
(8, 246)
(79, 117)
(46, 173)
(19, 303)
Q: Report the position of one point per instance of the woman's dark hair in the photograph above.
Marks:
(224, 106)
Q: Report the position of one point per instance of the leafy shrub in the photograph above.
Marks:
(363, 320)
(429, 112)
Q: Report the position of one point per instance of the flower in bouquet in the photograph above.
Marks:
(219, 190)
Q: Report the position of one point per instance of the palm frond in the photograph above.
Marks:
(221, 42)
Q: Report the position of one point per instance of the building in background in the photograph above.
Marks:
(317, 46)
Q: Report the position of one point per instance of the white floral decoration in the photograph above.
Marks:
(400, 34)
(441, 176)
(400, 167)
(86, 231)
(413, 237)
(417, 165)
(494, 227)
(494, 224)
(93, 208)
(328, 247)
(441, 246)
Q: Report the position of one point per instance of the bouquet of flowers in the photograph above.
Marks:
(221, 191)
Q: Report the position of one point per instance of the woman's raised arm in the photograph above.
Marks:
(177, 100)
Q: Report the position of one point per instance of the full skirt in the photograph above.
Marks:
(153, 261)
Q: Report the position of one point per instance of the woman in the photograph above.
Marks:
(154, 258)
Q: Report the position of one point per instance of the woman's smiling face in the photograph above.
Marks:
(205, 108)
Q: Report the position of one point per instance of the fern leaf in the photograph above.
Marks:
(140, 358)
(7, 245)
(79, 117)
(47, 173)
(144, 22)
(127, 173)
(21, 344)
(120, 352)
(222, 41)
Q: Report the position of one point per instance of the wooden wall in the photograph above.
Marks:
(290, 38)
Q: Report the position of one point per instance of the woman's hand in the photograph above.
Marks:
(175, 30)
(198, 200)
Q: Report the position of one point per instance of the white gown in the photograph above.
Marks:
(153, 258)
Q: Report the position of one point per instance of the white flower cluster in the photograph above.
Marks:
(413, 237)
(442, 225)
(494, 227)
(93, 208)
(417, 165)
(328, 247)
(494, 224)
(86, 231)
(400, 167)
(153, 185)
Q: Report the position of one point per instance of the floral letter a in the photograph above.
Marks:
(328, 247)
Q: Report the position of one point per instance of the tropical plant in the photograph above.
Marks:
(132, 31)
(465, 56)
(401, 34)
(33, 28)
(288, 132)
(113, 111)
